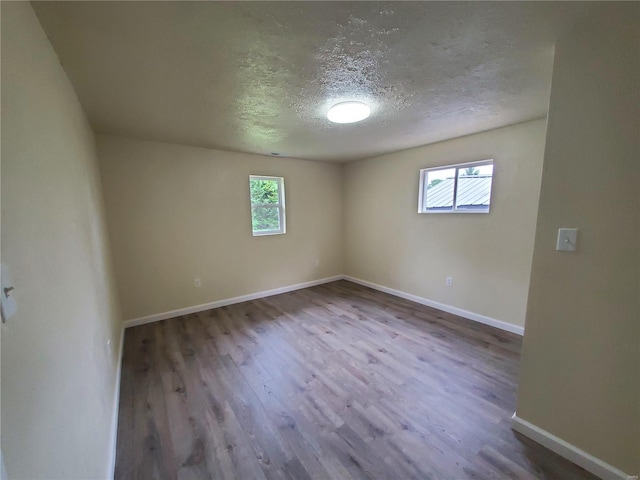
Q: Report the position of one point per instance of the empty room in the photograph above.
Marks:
(320, 240)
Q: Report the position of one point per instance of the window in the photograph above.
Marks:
(462, 188)
(267, 205)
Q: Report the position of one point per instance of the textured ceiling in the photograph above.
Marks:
(260, 77)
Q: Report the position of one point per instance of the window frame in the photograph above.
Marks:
(280, 206)
(457, 166)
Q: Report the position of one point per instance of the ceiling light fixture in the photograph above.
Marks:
(348, 112)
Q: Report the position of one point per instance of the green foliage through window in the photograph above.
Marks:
(264, 191)
(267, 204)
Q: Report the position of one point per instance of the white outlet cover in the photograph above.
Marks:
(567, 239)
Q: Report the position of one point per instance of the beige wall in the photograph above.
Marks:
(580, 376)
(488, 255)
(58, 373)
(177, 213)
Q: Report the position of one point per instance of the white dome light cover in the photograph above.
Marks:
(348, 112)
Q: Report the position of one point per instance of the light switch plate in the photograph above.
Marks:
(567, 239)
(7, 292)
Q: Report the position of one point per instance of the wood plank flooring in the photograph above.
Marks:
(336, 381)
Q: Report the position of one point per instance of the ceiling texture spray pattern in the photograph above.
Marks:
(259, 77)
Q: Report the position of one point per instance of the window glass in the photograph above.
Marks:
(264, 191)
(462, 188)
(267, 205)
(474, 188)
(439, 189)
(265, 219)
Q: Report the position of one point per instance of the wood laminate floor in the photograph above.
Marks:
(336, 381)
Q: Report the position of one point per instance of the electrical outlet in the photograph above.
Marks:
(449, 281)
(317, 262)
(197, 283)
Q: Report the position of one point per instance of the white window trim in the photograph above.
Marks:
(457, 166)
(280, 206)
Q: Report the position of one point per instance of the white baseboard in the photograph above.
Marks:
(276, 291)
(509, 327)
(116, 409)
(227, 301)
(568, 451)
